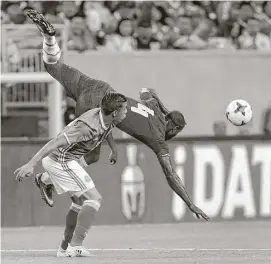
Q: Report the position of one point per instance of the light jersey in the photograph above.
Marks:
(87, 131)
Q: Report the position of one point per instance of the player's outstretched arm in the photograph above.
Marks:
(176, 184)
(27, 169)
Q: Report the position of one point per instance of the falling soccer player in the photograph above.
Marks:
(148, 120)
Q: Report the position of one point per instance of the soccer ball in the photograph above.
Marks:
(239, 112)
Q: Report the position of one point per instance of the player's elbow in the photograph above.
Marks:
(168, 172)
(145, 94)
(166, 166)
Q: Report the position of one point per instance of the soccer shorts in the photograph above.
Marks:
(68, 177)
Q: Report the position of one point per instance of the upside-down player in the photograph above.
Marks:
(148, 121)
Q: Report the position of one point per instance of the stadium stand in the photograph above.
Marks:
(127, 25)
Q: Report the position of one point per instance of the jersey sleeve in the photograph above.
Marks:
(78, 132)
(161, 148)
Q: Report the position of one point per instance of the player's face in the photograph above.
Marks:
(120, 114)
(172, 130)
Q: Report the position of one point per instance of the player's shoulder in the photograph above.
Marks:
(90, 117)
(131, 101)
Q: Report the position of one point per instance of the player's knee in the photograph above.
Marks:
(96, 158)
(75, 207)
(92, 198)
(93, 158)
(95, 204)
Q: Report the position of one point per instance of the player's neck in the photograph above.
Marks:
(108, 120)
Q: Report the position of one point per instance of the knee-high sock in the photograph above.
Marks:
(71, 220)
(51, 51)
(84, 221)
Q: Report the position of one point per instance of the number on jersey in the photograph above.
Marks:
(142, 110)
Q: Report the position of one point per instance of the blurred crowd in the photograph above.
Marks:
(132, 25)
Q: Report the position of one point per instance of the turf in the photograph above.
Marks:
(206, 243)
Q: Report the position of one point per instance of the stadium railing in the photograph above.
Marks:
(29, 86)
(24, 94)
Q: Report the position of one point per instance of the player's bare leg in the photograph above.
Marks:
(71, 220)
(91, 201)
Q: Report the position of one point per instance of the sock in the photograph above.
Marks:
(84, 221)
(45, 178)
(51, 51)
(71, 220)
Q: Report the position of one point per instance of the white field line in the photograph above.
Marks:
(142, 249)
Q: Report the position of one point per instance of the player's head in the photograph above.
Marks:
(175, 124)
(114, 105)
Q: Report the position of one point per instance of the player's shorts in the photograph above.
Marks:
(68, 177)
(81, 88)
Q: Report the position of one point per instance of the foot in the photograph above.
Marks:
(40, 21)
(78, 251)
(46, 191)
(61, 253)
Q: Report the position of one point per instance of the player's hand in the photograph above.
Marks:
(26, 170)
(113, 156)
(152, 91)
(199, 213)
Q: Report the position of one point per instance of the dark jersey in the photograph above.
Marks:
(144, 120)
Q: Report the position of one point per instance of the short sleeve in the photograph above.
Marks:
(161, 147)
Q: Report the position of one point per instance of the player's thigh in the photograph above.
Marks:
(73, 81)
(90, 195)
(92, 95)
(68, 177)
(67, 76)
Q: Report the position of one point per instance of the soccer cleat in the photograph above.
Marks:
(46, 191)
(40, 21)
(61, 253)
(78, 251)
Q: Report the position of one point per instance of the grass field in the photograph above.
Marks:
(206, 243)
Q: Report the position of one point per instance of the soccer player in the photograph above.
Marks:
(148, 120)
(59, 158)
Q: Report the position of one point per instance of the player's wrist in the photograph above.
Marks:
(191, 206)
(32, 163)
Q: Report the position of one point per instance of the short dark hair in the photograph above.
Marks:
(177, 118)
(111, 102)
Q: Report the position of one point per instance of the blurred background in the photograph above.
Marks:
(198, 55)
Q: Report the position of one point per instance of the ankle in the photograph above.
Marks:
(64, 245)
(76, 242)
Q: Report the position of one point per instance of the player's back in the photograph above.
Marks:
(145, 122)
